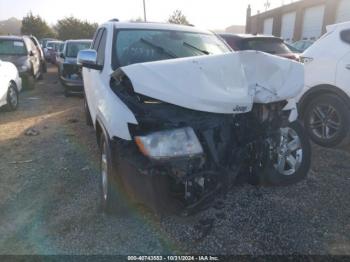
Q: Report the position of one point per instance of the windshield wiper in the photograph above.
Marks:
(196, 48)
(160, 48)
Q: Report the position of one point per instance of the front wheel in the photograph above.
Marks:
(290, 157)
(110, 181)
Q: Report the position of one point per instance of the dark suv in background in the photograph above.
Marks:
(268, 44)
(68, 69)
(52, 48)
(22, 52)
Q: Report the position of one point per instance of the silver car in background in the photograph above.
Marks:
(68, 69)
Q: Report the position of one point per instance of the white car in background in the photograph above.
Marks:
(324, 105)
(10, 85)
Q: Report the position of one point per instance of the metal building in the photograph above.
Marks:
(306, 19)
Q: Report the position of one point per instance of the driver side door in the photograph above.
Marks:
(92, 77)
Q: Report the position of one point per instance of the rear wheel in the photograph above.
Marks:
(290, 155)
(326, 120)
(12, 97)
(44, 67)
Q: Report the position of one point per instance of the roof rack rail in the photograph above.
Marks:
(114, 20)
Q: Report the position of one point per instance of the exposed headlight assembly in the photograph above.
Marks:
(175, 143)
(306, 60)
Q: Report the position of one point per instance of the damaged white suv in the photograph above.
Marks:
(179, 118)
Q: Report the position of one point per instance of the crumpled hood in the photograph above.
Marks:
(227, 83)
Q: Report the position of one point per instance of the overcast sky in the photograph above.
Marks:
(209, 14)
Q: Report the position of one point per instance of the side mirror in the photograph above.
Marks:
(88, 58)
(31, 53)
(61, 55)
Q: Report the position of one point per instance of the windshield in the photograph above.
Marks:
(61, 47)
(267, 45)
(73, 48)
(138, 46)
(44, 42)
(292, 48)
(54, 45)
(12, 47)
(303, 45)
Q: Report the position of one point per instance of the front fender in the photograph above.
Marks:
(292, 106)
(115, 116)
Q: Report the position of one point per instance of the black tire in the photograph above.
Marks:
(66, 91)
(110, 198)
(327, 134)
(273, 177)
(28, 82)
(88, 118)
(44, 67)
(40, 74)
(12, 97)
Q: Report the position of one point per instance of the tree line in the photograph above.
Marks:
(66, 28)
(74, 28)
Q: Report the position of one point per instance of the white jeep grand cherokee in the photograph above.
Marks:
(179, 118)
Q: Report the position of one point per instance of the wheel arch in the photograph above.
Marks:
(321, 90)
(100, 129)
(14, 83)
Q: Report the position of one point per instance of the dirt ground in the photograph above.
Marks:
(49, 196)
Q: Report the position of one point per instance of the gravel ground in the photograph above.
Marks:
(48, 197)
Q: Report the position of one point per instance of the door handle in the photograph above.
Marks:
(348, 67)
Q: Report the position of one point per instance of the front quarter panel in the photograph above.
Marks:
(325, 53)
(8, 73)
(106, 107)
(343, 74)
(3, 83)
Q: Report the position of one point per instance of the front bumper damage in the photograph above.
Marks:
(229, 103)
(234, 149)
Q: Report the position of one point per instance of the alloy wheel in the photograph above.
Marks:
(325, 122)
(289, 152)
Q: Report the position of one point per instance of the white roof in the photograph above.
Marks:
(340, 26)
(159, 26)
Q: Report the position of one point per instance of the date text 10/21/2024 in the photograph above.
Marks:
(173, 258)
